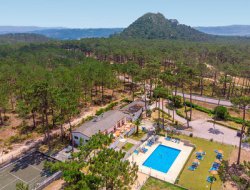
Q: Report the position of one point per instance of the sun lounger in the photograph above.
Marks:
(192, 168)
(212, 168)
(144, 150)
(150, 143)
(219, 156)
(168, 138)
(199, 157)
(200, 153)
(136, 152)
(177, 141)
(215, 166)
(196, 163)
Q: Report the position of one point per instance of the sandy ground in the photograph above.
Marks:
(245, 156)
(11, 126)
(55, 185)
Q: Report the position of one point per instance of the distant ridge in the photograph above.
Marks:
(62, 33)
(75, 34)
(233, 30)
(23, 38)
(23, 29)
(156, 26)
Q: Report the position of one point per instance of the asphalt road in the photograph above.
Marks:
(207, 100)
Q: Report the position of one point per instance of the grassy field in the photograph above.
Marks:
(138, 136)
(128, 146)
(155, 184)
(196, 180)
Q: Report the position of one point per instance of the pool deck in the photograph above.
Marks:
(176, 167)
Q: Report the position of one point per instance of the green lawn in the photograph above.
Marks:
(155, 184)
(138, 136)
(196, 180)
(127, 146)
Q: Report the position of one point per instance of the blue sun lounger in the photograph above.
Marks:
(200, 153)
(215, 166)
(219, 156)
(136, 152)
(192, 168)
(168, 138)
(144, 150)
(150, 143)
(199, 157)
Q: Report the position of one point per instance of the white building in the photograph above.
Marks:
(107, 123)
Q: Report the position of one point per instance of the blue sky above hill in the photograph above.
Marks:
(120, 13)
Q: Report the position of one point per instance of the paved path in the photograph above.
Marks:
(207, 99)
(141, 180)
(171, 112)
(204, 129)
(132, 141)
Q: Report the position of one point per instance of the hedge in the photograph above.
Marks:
(200, 108)
(109, 107)
(238, 120)
(225, 125)
(208, 111)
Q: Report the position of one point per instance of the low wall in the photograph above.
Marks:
(48, 181)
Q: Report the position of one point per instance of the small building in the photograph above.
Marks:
(134, 109)
(107, 123)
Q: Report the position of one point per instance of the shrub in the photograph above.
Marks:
(109, 107)
(99, 112)
(149, 113)
(177, 101)
(126, 100)
(221, 112)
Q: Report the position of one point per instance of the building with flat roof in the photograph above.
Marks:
(115, 122)
(106, 123)
(134, 109)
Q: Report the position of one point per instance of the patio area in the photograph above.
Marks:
(125, 129)
(176, 167)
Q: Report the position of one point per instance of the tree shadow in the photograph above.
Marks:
(215, 131)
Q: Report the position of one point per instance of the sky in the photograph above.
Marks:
(121, 13)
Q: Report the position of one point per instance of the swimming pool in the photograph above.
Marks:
(162, 158)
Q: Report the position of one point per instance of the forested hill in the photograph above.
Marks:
(156, 26)
(23, 38)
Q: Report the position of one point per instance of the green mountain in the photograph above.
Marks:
(22, 38)
(156, 26)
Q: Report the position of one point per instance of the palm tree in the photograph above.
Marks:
(242, 102)
(137, 124)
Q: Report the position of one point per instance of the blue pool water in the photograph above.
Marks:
(162, 158)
